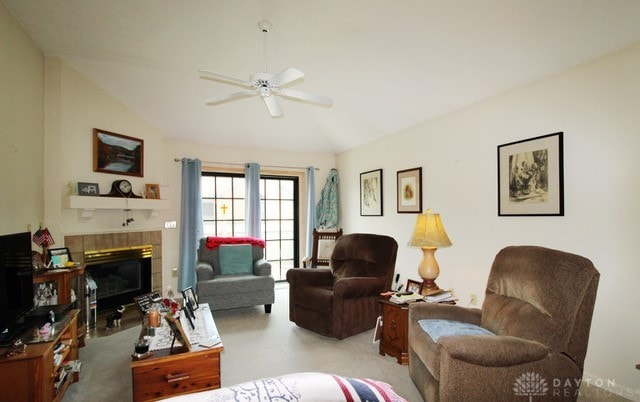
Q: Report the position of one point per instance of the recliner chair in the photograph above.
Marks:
(343, 300)
(530, 337)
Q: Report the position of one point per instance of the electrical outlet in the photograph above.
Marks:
(170, 225)
(174, 272)
(473, 300)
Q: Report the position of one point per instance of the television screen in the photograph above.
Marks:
(16, 278)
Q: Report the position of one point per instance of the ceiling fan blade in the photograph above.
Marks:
(211, 75)
(272, 105)
(306, 96)
(232, 97)
(285, 77)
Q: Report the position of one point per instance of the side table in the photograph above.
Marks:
(394, 340)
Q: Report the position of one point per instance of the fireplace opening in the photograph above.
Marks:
(119, 274)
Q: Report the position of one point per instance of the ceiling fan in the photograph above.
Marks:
(267, 85)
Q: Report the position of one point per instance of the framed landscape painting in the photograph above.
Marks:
(371, 193)
(117, 153)
(530, 177)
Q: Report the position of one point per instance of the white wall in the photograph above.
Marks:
(21, 127)
(596, 106)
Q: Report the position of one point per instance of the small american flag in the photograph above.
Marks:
(42, 237)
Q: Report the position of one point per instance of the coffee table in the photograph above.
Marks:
(177, 371)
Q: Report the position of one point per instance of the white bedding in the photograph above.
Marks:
(299, 387)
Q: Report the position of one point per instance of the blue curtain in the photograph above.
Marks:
(311, 210)
(327, 208)
(190, 221)
(252, 200)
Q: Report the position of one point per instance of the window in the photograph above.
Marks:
(223, 214)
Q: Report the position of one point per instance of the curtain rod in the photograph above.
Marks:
(242, 164)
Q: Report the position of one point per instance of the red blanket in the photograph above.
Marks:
(215, 242)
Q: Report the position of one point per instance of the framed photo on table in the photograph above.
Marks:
(409, 191)
(414, 286)
(371, 193)
(59, 257)
(178, 331)
(531, 177)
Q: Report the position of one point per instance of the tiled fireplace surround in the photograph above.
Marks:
(78, 244)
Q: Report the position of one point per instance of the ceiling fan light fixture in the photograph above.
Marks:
(266, 84)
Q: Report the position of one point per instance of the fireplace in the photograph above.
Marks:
(120, 274)
(96, 249)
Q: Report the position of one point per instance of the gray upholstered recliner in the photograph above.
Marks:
(536, 318)
(237, 290)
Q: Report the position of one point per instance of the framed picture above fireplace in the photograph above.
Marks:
(117, 153)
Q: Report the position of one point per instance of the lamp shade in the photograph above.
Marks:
(429, 231)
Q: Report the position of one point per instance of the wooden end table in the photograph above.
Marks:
(394, 340)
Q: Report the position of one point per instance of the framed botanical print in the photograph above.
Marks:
(530, 177)
(409, 191)
(371, 193)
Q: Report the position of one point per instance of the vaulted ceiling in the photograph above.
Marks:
(388, 65)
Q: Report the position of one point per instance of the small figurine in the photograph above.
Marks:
(45, 330)
(115, 318)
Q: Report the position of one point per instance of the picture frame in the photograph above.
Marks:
(88, 189)
(152, 191)
(59, 257)
(531, 177)
(409, 191)
(117, 153)
(190, 298)
(178, 332)
(414, 286)
(371, 193)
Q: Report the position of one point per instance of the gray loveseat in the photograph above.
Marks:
(226, 291)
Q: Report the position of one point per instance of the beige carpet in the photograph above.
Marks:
(256, 345)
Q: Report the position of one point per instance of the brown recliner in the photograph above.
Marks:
(342, 300)
(538, 305)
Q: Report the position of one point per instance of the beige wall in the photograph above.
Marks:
(21, 127)
(596, 106)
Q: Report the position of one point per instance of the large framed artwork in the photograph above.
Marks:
(409, 192)
(117, 153)
(531, 177)
(371, 193)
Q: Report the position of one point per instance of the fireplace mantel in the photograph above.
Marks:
(88, 205)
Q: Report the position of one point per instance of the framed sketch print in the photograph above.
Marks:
(409, 192)
(530, 177)
(371, 193)
(117, 153)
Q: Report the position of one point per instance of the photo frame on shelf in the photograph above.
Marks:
(59, 257)
(409, 191)
(371, 193)
(88, 189)
(531, 177)
(178, 332)
(152, 191)
(414, 286)
(117, 153)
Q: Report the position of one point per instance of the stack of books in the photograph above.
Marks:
(401, 298)
(444, 296)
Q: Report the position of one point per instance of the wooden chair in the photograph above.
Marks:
(323, 242)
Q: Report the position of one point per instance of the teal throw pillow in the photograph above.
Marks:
(236, 259)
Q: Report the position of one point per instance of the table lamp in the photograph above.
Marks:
(429, 234)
